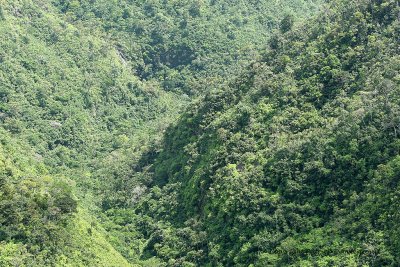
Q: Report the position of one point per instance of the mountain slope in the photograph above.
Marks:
(86, 88)
(188, 46)
(295, 163)
(65, 99)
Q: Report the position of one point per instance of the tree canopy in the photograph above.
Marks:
(199, 133)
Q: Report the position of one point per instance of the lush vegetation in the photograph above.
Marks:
(199, 133)
(294, 163)
(86, 87)
(185, 45)
(66, 99)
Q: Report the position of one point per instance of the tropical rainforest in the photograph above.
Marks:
(199, 133)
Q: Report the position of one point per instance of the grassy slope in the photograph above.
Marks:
(89, 245)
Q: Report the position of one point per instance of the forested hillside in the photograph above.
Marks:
(294, 163)
(87, 90)
(199, 133)
(186, 45)
(65, 99)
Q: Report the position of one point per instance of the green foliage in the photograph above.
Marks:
(85, 96)
(2, 17)
(34, 206)
(289, 157)
(295, 162)
(286, 23)
(187, 45)
(66, 102)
